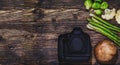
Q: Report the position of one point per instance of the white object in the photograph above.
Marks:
(109, 14)
(117, 17)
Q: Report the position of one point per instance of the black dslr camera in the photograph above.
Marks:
(74, 46)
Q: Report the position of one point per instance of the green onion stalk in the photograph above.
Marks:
(103, 30)
(105, 23)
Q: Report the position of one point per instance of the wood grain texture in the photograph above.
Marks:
(27, 41)
(37, 42)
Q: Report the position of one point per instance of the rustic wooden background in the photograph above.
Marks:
(29, 31)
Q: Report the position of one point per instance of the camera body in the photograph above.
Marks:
(74, 46)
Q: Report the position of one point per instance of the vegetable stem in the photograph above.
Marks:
(102, 24)
(108, 33)
(115, 28)
(104, 33)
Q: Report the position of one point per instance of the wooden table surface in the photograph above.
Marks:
(26, 41)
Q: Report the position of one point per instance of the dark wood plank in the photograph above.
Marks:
(25, 41)
(37, 42)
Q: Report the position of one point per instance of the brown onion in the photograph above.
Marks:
(105, 52)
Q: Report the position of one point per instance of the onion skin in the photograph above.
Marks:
(105, 52)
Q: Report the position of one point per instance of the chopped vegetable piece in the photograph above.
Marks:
(117, 17)
(109, 14)
(96, 5)
(88, 4)
(98, 11)
(104, 5)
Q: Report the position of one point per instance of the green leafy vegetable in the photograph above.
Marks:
(98, 11)
(104, 5)
(96, 5)
(88, 4)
